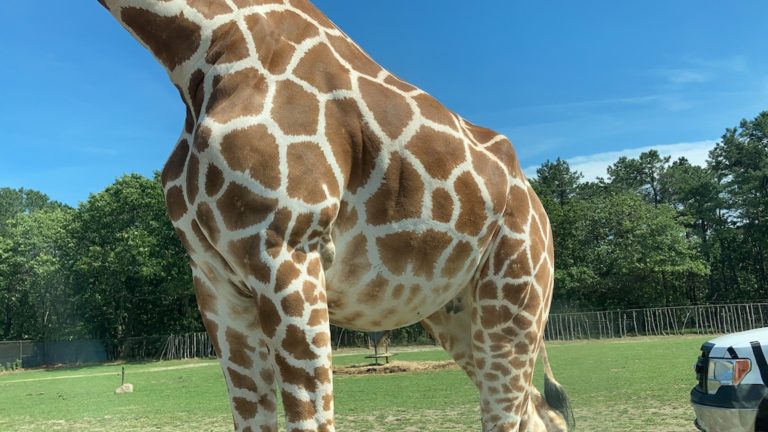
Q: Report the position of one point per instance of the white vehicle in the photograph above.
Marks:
(731, 394)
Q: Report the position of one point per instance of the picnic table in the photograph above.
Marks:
(376, 356)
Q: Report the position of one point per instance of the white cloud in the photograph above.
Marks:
(596, 165)
(684, 76)
(693, 70)
(735, 63)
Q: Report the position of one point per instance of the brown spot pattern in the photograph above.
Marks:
(400, 196)
(240, 351)
(297, 409)
(295, 342)
(175, 164)
(313, 12)
(173, 40)
(210, 9)
(214, 180)
(269, 316)
(356, 261)
(352, 54)
(293, 305)
(193, 176)
(275, 35)
(227, 44)
(202, 138)
(317, 317)
(241, 381)
(390, 109)
(442, 205)
(286, 274)
(439, 152)
(245, 408)
(236, 94)
(400, 84)
(320, 69)
(433, 110)
(247, 253)
(374, 292)
(473, 216)
(253, 150)
(458, 259)
(241, 208)
(309, 174)
(196, 91)
(322, 340)
(494, 178)
(400, 249)
(207, 221)
(174, 200)
(295, 375)
(295, 110)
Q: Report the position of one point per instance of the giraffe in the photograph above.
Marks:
(311, 186)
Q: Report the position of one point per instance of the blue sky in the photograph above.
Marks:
(82, 103)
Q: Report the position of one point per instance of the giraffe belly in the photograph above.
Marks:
(385, 281)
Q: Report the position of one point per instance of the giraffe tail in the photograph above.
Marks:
(554, 393)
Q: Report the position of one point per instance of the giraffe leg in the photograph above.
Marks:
(280, 334)
(452, 327)
(232, 324)
(511, 303)
(294, 317)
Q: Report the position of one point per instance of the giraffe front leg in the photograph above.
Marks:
(295, 318)
(232, 323)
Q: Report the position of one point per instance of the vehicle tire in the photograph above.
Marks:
(761, 421)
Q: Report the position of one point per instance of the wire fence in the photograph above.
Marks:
(665, 321)
(14, 354)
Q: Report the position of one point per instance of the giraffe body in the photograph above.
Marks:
(311, 186)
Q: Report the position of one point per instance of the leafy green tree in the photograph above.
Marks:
(557, 185)
(16, 201)
(556, 180)
(630, 254)
(695, 193)
(740, 163)
(642, 175)
(32, 236)
(35, 287)
(131, 272)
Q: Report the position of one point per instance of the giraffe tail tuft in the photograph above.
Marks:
(554, 393)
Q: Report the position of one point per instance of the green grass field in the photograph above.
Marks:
(638, 384)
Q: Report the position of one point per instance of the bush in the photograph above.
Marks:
(11, 366)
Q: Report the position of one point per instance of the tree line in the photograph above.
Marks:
(654, 232)
(110, 269)
(657, 232)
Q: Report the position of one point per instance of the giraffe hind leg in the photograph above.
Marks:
(451, 326)
(511, 303)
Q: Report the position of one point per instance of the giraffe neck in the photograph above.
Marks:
(190, 36)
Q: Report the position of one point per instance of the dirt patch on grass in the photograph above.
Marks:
(456, 419)
(394, 367)
(627, 416)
